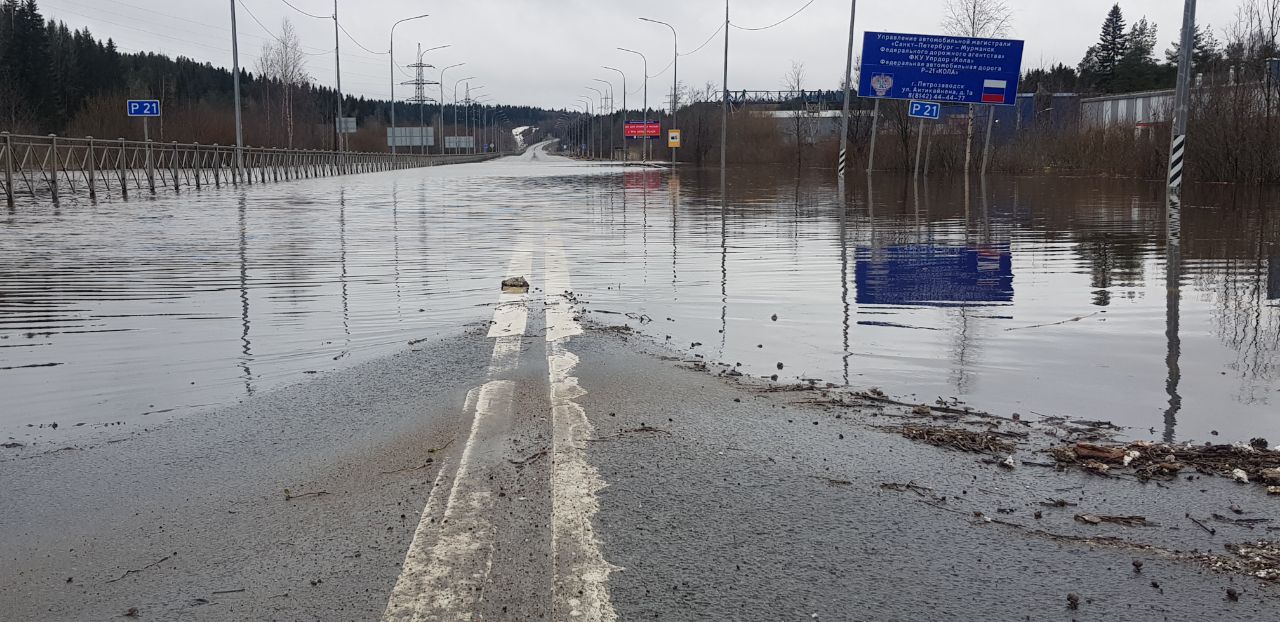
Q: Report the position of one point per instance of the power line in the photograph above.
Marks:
(353, 40)
(778, 23)
(704, 43)
(259, 22)
(290, 5)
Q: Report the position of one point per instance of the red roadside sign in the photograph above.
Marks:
(641, 129)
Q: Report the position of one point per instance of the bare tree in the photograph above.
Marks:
(284, 65)
(976, 18)
(794, 85)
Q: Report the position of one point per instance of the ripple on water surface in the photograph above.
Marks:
(1021, 295)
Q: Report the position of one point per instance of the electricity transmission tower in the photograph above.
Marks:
(420, 84)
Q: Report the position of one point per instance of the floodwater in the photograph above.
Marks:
(1028, 295)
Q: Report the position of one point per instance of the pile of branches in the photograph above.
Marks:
(1253, 463)
(957, 438)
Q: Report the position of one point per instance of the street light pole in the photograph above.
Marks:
(625, 151)
(467, 117)
(590, 128)
(611, 104)
(391, 51)
(646, 98)
(599, 123)
(440, 122)
(454, 130)
(675, 75)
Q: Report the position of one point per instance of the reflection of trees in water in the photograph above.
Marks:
(1244, 321)
(1114, 260)
(1234, 279)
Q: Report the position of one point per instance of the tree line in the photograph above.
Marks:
(55, 80)
(1126, 58)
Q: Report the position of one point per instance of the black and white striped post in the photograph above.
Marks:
(1178, 142)
(848, 95)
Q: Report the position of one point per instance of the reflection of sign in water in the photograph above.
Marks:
(941, 69)
(642, 180)
(934, 275)
(1273, 279)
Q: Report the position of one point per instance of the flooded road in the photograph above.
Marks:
(1037, 296)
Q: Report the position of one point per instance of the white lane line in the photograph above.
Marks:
(580, 588)
(511, 317)
(449, 559)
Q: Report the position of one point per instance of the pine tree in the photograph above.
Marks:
(1102, 59)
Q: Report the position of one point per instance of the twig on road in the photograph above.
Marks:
(429, 462)
(1074, 319)
(147, 567)
(289, 495)
(228, 591)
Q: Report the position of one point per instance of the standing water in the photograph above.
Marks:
(1036, 296)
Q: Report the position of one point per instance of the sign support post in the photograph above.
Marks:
(875, 129)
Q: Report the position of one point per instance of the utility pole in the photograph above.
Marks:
(848, 95)
(235, 80)
(337, 69)
(420, 97)
(1182, 99)
(724, 84)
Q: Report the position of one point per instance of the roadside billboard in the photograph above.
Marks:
(459, 142)
(940, 69)
(641, 129)
(411, 136)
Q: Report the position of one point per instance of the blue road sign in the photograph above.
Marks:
(144, 108)
(940, 69)
(924, 110)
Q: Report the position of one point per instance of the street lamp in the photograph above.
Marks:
(646, 99)
(454, 130)
(467, 116)
(611, 104)
(392, 52)
(624, 109)
(675, 74)
(590, 116)
(440, 122)
(599, 122)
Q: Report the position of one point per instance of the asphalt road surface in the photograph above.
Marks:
(541, 467)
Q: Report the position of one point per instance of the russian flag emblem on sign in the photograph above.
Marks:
(993, 91)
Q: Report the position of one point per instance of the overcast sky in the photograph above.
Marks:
(545, 52)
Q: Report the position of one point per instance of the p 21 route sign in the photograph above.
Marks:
(935, 68)
(924, 110)
(143, 107)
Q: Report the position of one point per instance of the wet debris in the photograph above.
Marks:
(1243, 522)
(137, 570)
(515, 285)
(1149, 460)
(957, 438)
(1073, 601)
(131, 612)
(13, 445)
(1260, 558)
(288, 495)
(1127, 521)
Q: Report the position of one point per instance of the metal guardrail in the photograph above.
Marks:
(47, 167)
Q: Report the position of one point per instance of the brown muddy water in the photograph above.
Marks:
(1030, 295)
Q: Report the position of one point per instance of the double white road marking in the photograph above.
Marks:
(449, 560)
